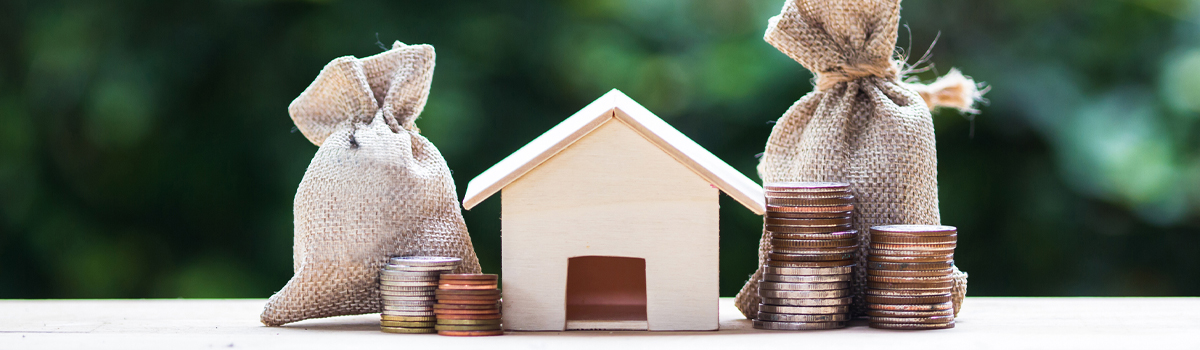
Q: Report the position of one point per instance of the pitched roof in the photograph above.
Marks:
(615, 104)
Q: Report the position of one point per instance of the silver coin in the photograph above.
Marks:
(407, 313)
(429, 302)
(391, 300)
(407, 288)
(407, 293)
(424, 261)
(437, 269)
(405, 279)
(405, 272)
(797, 326)
(414, 275)
(408, 284)
(807, 271)
(803, 286)
(806, 279)
(806, 310)
(408, 308)
(793, 294)
(767, 316)
(807, 301)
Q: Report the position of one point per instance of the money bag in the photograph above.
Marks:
(861, 124)
(375, 189)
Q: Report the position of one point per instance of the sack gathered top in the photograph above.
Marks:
(862, 124)
(375, 189)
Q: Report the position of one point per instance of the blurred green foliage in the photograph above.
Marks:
(146, 150)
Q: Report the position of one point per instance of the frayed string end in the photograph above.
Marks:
(953, 90)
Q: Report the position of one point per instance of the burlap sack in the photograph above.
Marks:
(375, 189)
(861, 124)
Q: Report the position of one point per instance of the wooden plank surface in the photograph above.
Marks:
(985, 323)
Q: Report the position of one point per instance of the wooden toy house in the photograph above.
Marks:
(610, 221)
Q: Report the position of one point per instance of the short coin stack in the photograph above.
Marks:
(806, 280)
(468, 305)
(407, 286)
(909, 276)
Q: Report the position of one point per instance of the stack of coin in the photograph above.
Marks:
(806, 280)
(909, 277)
(407, 286)
(468, 305)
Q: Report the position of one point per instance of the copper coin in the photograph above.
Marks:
(911, 326)
(493, 298)
(943, 278)
(804, 202)
(820, 209)
(767, 316)
(916, 273)
(809, 257)
(911, 259)
(947, 247)
(911, 253)
(890, 313)
(939, 265)
(471, 333)
(467, 282)
(918, 230)
(468, 322)
(807, 222)
(829, 215)
(908, 292)
(444, 312)
(805, 279)
(834, 263)
(912, 307)
(803, 285)
(911, 239)
(468, 292)
(445, 286)
(928, 319)
(810, 251)
(776, 230)
(824, 236)
(454, 327)
(807, 301)
(878, 299)
(805, 186)
(466, 301)
(814, 243)
(796, 294)
(465, 307)
(470, 276)
(806, 271)
(469, 317)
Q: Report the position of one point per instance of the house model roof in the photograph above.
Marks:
(615, 104)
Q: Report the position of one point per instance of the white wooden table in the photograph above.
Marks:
(985, 323)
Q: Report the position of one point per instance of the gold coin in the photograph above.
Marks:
(407, 324)
(468, 322)
(409, 318)
(408, 330)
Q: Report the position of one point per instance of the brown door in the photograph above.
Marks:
(606, 288)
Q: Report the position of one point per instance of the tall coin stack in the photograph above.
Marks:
(909, 276)
(407, 286)
(806, 280)
(468, 305)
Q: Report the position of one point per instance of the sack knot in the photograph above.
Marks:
(841, 74)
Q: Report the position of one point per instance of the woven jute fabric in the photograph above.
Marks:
(861, 125)
(375, 189)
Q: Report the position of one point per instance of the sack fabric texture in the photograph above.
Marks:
(861, 125)
(375, 189)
